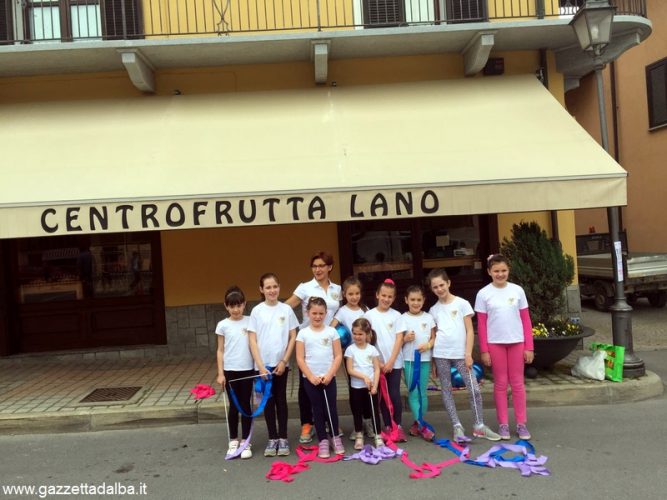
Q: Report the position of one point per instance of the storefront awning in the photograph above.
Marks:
(473, 146)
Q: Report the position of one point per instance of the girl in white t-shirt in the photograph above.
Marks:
(506, 342)
(419, 329)
(363, 366)
(319, 355)
(235, 362)
(385, 322)
(453, 345)
(271, 334)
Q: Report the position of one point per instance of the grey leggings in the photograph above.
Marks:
(443, 367)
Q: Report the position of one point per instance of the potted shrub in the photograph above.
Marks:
(539, 265)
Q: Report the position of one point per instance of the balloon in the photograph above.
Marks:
(457, 380)
(345, 335)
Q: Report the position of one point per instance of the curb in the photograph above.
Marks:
(582, 393)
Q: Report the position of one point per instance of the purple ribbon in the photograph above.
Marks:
(374, 456)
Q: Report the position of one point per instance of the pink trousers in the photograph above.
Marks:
(507, 367)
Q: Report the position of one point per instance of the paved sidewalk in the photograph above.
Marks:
(43, 394)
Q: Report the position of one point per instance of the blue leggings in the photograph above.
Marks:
(413, 397)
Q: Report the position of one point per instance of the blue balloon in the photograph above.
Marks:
(345, 336)
(457, 380)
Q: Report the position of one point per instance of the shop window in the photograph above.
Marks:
(73, 20)
(380, 254)
(71, 268)
(656, 83)
(454, 246)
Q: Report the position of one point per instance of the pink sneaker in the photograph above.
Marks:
(400, 435)
(426, 433)
(338, 447)
(323, 450)
(414, 429)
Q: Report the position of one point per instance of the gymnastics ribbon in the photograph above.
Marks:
(282, 471)
(262, 387)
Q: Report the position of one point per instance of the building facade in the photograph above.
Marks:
(156, 152)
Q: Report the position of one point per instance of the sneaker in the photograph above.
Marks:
(306, 433)
(338, 446)
(323, 450)
(247, 453)
(368, 428)
(358, 440)
(353, 435)
(504, 432)
(233, 446)
(271, 448)
(426, 433)
(484, 432)
(283, 448)
(522, 431)
(400, 435)
(378, 442)
(459, 434)
(414, 429)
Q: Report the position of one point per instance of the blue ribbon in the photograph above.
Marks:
(262, 386)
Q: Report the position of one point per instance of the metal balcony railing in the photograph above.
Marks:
(36, 21)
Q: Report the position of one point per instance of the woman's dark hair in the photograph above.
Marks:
(365, 326)
(437, 273)
(326, 257)
(496, 258)
(234, 296)
(316, 301)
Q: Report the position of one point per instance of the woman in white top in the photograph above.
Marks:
(321, 265)
(271, 334)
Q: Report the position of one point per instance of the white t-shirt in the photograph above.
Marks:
(313, 289)
(362, 361)
(237, 355)
(502, 306)
(450, 335)
(318, 347)
(272, 325)
(386, 326)
(422, 326)
(346, 316)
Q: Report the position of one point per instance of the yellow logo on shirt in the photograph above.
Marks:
(454, 313)
(424, 325)
(511, 300)
(335, 296)
(244, 331)
(326, 341)
(369, 359)
(390, 326)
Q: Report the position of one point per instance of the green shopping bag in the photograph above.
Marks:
(613, 360)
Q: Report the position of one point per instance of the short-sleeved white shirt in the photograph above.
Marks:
(346, 316)
(318, 347)
(450, 334)
(422, 326)
(237, 355)
(313, 289)
(386, 326)
(502, 306)
(362, 361)
(272, 325)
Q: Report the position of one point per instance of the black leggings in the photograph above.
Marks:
(277, 405)
(243, 391)
(305, 409)
(319, 405)
(360, 405)
(394, 387)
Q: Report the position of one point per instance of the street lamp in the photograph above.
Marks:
(592, 25)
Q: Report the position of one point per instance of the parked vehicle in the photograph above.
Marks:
(645, 274)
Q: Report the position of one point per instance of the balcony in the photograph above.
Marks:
(61, 36)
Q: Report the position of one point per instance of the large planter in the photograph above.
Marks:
(549, 351)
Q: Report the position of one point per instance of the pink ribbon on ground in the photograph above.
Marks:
(202, 391)
(282, 471)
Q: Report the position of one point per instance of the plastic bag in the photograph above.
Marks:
(613, 360)
(590, 366)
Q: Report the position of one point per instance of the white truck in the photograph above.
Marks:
(645, 274)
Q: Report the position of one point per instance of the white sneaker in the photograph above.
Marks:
(233, 446)
(247, 453)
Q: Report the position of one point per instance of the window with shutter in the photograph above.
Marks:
(656, 90)
(465, 11)
(122, 20)
(6, 26)
(383, 13)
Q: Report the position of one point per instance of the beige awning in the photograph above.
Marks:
(473, 146)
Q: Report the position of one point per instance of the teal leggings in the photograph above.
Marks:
(413, 397)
